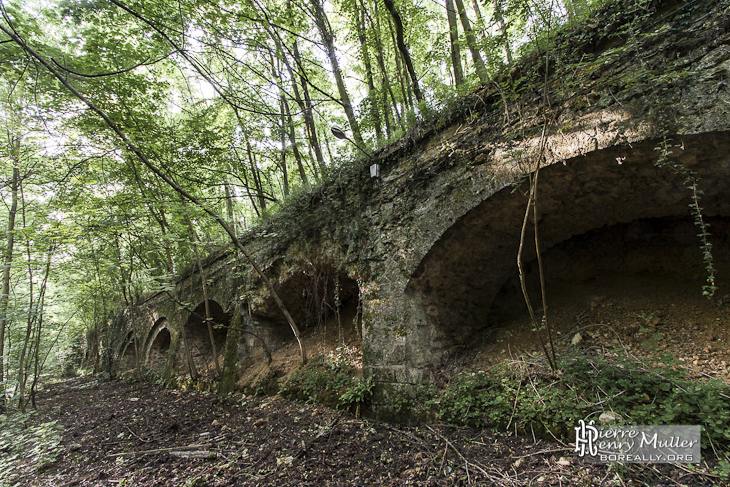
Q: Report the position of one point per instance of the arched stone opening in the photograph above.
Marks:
(198, 337)
(612, 211)
(127, 354)
(646, 255)
(324, 303)
(158, 345)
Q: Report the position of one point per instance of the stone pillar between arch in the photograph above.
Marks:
(398, 350)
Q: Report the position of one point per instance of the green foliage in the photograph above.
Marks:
(515, 397)
(25, 446)
(666, 150)
(331, 384)
(476, 399)
(722, 470)
(268, 386)
(358, 394)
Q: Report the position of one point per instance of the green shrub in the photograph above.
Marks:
(357, 394)
(319, 382)
(540, 402)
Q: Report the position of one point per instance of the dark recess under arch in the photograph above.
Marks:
(618, 192)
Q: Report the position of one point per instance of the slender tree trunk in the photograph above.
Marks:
(480, 19)
(403, 48)
(282, 127)
(229, 205)
(230, 355)
(372, 94)
(385, 80)
(325, 30)
(305, 105)
(126, 284)
(204, 284)
(243, 171)
(188, 352)
(294, 145)
(407, 98)
(36, 351)
(21, 361)
(454, 38)
(282, 140)
(30, 315)
(499, 17)
(98, 344)
(256, 178)
(387, 90)
(7, 263)
(122, 276)
(472, 43)
(162, 221)
(287, 123)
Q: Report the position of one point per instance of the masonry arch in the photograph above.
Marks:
(606, 200)
(127, 353)
(157, 344)
(324, 302)
(198, 336)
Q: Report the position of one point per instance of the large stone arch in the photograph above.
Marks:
(322, 297)
(441, 291)
(198, 337)
(454, 288)
(158, 344)
(126, 352)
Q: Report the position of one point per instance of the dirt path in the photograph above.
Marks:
(197, 439)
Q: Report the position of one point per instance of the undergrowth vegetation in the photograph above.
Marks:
(22, 442)
(526, 397)
(334, 384)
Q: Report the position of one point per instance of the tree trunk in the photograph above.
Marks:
(499, 17)
(454, 39)
(403, 48)
(39, 326)
(407, 98)
(188, 352)
(7, 263)
(305, 105)
(230, 356)
(229, 205)
(97, 268)
(204, 284)
(287, 123)
(480, 19)
(242, 171)
(372, 94)
(325, 31)
(282, 140)
(31, 313)
(294, 146)
(256, 178)
(472, 43)
(386, 89)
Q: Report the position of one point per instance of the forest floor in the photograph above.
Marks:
(123, 433)
(126, 433)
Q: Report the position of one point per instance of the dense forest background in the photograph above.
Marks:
(138, 134)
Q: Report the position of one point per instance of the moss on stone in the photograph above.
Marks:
(230, 360)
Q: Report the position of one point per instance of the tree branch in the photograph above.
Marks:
(100, 75)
